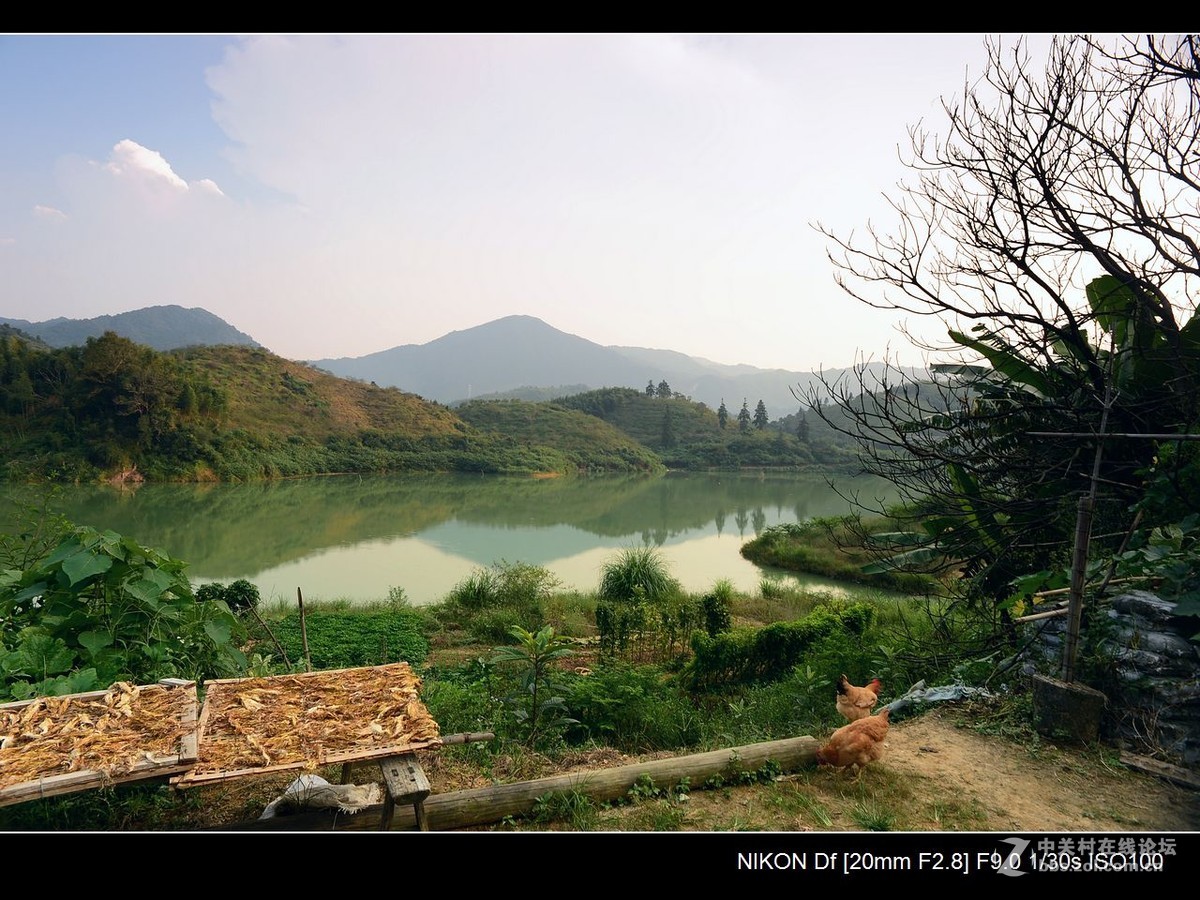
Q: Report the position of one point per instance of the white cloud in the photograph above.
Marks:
(49, 212)
(129, 159)
(7, 241)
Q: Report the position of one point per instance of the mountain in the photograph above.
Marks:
(522, 356)
(499, 356)
(158, 327)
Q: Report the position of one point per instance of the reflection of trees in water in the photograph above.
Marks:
(720, 519)
(741, 519)
(759, 519)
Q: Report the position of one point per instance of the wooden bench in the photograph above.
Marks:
(406, 783)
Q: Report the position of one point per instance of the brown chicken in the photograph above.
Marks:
(855, 702)
(856, 744)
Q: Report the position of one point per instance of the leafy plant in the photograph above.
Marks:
(239, 596)
(538, 705)
(575, 808)
(102, 608)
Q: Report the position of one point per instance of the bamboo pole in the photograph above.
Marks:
(303, 631)
(481, 806)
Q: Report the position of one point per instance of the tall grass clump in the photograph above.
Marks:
(638, 573)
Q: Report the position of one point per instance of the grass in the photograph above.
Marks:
(573, 809)
(637, 572)
(873, 817)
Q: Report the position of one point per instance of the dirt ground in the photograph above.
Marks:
(1050, 789)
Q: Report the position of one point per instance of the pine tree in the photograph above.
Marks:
(722, 415)
(744, 417)
(760, 416)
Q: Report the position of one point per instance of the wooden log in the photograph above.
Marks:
(1173, 774)
(482, 806)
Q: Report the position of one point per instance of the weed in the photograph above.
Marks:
(873, 817)
(816, 809)
(572, 808)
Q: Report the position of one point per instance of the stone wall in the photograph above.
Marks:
(1139, 653)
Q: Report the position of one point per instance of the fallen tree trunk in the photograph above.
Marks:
(482, 806)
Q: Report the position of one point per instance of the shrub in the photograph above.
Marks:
(768, 653)
(506, 594)
(637, 573)
(632, 708)
(717, 608)
(239, 596)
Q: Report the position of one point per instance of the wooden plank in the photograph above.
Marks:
(405, 779)
(1174, 774)
(326, 759)
(86, 779)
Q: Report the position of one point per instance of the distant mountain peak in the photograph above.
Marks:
(163, 327)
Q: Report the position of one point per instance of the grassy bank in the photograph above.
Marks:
(835, 548)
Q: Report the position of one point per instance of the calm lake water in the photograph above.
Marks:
(356, 537)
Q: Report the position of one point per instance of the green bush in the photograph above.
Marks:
(239, 596)
(648, 632)
(717, 608)
(632, 708)
(494, 599)
(768, 653)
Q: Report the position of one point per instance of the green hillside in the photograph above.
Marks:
(115, 408)
(587, 441)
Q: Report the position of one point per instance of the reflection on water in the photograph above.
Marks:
(356, 537)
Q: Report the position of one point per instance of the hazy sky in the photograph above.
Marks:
(340, 194)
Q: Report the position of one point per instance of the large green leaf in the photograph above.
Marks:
(95, 641)
(41, 655)
(219, 629)
(145, 589)
(1006, 362)
(1112, 303)
(84, 565)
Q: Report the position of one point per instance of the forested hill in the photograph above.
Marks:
(690, 435)
(112, 406)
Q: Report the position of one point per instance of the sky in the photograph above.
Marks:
(335, 195)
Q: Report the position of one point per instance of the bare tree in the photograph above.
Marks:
(1052, 228)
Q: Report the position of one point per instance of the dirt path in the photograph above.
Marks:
(1048, 789)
